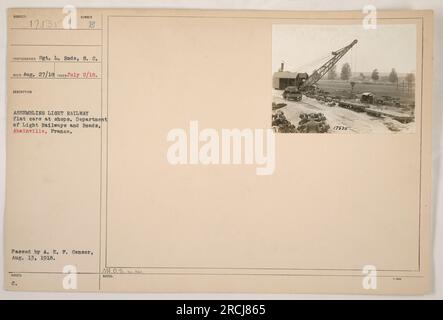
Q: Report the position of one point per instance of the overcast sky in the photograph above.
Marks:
(301, 47)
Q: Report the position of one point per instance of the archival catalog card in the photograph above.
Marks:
(218, 151)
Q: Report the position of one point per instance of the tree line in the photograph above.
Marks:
(346, 74)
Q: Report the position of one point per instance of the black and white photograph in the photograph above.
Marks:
(344, 78)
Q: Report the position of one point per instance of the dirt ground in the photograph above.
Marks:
(339, 119)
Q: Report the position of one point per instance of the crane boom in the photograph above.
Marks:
(320, 72)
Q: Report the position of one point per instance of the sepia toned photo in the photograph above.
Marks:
(343, 78)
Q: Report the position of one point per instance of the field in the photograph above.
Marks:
(380, 89)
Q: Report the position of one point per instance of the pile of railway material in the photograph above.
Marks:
(375, 110)
(313, 123)
(281, 124)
